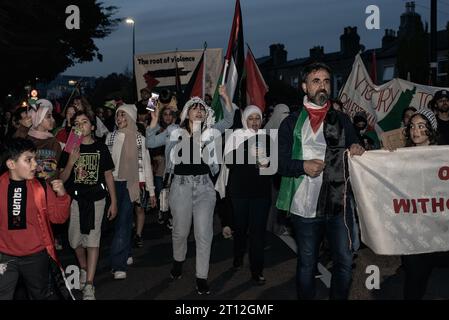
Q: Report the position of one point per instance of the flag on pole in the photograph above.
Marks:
(233, 67)
(373, 73)
(256, 88)
(195, 86)
(178, 86)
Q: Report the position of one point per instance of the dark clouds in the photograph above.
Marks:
(299, 24)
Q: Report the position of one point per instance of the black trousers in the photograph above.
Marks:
(417, 269)
(250, 217)
(34, 270)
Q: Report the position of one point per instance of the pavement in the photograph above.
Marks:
(149, 277)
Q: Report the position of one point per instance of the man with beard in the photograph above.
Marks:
(440, 105)
(312, 145)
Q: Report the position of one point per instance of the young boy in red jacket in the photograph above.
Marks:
(26, 211)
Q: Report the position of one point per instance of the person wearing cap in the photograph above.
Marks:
(192, 193)
(248, 189)
(109, 111)
(422, 130)
(132, 168)
(440, 105)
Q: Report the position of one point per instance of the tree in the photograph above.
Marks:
(112, 87)
(35, 43)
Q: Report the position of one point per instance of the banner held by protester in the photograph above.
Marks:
(403, 199)
(160, 69)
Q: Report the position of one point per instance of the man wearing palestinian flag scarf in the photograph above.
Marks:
(312, 150)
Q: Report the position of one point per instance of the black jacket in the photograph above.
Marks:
(340, 135)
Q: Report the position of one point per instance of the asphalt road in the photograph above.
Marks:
(148, 278)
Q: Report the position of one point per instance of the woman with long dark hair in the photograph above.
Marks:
(422, 130)
(192, 193)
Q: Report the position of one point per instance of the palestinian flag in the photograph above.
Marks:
(256, 88)
(195, 87)
(233, 67)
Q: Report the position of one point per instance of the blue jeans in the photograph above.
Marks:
(158, 185)
(309, 233)
(121, 242)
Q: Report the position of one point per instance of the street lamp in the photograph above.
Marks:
(130, 21)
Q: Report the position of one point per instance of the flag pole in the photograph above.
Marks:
(204, 70)
(225, 69)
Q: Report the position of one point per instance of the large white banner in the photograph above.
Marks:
(162, 67)
(403, 199)
(383, 104)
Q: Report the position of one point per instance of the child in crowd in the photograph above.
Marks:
(86, 172)
(132, 166)
(26, 211)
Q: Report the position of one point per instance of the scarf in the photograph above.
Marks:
(316, 113)
(41, 135)
(17, 203)
(129, 161)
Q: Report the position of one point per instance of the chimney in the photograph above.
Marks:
(350, 41)
(278, 54)
(316, 52)
(410, 21)
(388, 38)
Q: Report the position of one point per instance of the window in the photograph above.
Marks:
(294, 82)
(388, 73)
(442, 71)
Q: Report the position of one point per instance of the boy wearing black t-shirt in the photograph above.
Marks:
(87, 174)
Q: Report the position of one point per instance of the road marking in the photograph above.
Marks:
(326, 275)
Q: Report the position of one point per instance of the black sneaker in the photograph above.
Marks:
(237, 263)
(259, 279)
(160, 217)
(169, 224)
(138, 241)
(176, 271)
(202, 287)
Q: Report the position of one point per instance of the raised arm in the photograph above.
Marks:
(228, 111)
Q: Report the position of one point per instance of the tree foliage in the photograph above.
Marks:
(35, 43)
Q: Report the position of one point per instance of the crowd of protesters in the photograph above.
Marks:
(128, 155)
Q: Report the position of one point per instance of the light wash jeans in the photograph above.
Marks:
(193, 197)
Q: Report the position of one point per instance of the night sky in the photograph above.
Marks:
(299, 24)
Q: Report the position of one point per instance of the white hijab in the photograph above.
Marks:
(234, 141)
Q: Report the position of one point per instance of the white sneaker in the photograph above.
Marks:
(89, 292)
(83, 278)
(130, 261)
(119, 275)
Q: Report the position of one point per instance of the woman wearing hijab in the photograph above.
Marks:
(249, 190)
(192, 194)
(132, 167)
(48, 148)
